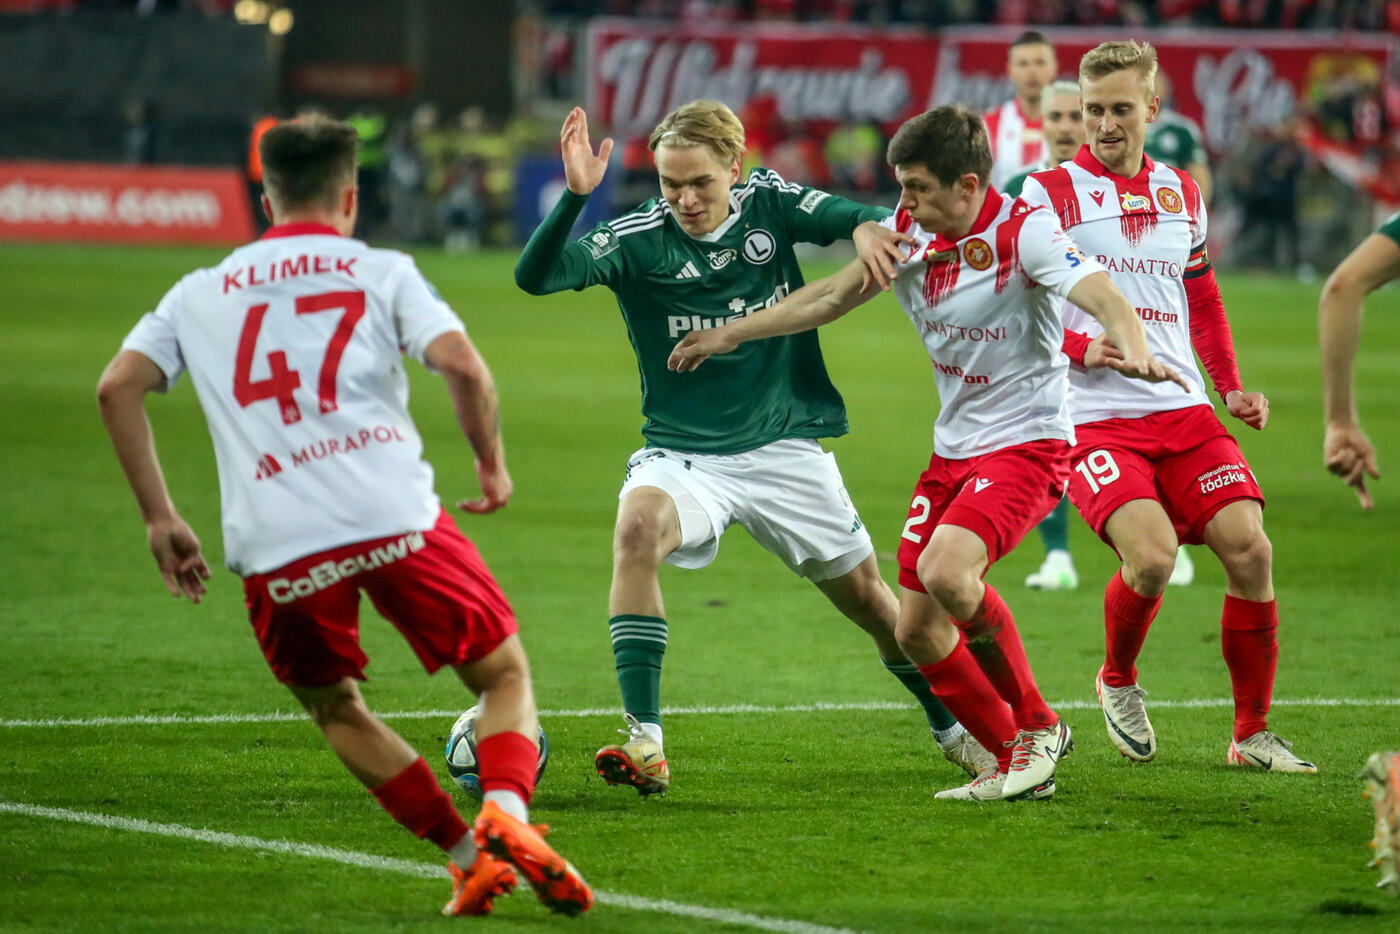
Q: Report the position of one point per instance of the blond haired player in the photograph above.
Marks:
(295, 346)
(739, 444)
(982, 288)
(1153, 468)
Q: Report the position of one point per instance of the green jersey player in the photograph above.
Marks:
(737, 446)
(1175, 140)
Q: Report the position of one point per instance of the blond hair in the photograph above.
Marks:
(701, 123)
(1121, 55)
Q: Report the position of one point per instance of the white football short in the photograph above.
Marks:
(788, 494)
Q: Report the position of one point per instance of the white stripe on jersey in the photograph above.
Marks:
(987, 311)
(1143, 231)
(294, 347)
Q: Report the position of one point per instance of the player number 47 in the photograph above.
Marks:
(1098, 470)
(281, 381)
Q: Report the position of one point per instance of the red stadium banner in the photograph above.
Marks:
(1231, 82)
(123, 204)
(821, 75)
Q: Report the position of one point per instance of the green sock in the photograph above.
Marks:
(638, 643)
(908, 674)
(1054, 528)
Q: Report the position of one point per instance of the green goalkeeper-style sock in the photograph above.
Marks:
(1054, 528)
(638, 644)
(908, 674)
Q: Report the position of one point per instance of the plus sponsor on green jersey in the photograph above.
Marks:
(668, 283)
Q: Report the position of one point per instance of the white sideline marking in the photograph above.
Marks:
(291, 717)
(401, 866)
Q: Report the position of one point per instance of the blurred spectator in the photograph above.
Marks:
(408, 176)
(855, 155)
(138, 139)
(373, 130)
(1268, 191)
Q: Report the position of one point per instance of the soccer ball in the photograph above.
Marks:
(461, 754)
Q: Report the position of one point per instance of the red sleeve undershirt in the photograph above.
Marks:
(1075, 346)
(1210, 329)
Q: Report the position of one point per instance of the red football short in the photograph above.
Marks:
(433, 586)
(999, 497)
(1184, 459)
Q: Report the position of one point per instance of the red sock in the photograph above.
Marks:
(509, 762)
(993, 640)
(1126, 616)
(969, 696)
(1249, 642)
(415, 799)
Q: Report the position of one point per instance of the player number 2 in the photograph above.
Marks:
(1098, 470)
(281, 381)
(919, 510)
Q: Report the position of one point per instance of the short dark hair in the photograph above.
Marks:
(307, 161)
(949, 141)
(1031, 37)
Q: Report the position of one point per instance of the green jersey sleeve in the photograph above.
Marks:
(550, 263)
(813, 215)
(1391, 228)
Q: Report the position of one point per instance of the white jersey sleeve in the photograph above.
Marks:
(420, 314)
(155, 337)
(1049, 255)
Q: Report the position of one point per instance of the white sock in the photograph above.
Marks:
(510, 802)
(653, 731)
(949, 736)
(464, 853)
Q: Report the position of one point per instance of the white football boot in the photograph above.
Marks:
(1267, 751)
(1126, 719)
(969, 755)
(1056, 573)
(1034, 755)
(1184, 571)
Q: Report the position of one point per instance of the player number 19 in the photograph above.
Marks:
(1098, 470)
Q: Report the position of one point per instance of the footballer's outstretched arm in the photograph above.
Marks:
(1098, 296)
(473, 394)
(121, 395)
(811, 306)
(1346, 451)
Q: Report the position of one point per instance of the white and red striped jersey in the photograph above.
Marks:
(1149, 232)
(1018, 143)
(987, 308)
(295, 345)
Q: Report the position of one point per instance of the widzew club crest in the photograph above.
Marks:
(977, 253)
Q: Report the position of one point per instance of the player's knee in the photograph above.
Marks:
(637, 539)
(1250, 559)
(337, 704)
(1149, 569)
(949, 581)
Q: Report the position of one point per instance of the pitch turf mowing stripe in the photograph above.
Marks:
(401, 866)
(290, 717)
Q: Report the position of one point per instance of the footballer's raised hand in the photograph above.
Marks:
(881, 250)
(698, 345)
(496, 487)
(583, 170)
(1347, 452)
(177, 553)
(1249, 407)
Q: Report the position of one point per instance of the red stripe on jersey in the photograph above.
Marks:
(1008, 232)
(993, 120)
(1191, 194)
(1135, 199)
(1031, 143)
(902, 220)
(939, 279)
(1063, 198)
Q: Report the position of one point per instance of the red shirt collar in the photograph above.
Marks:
(1089, 162)
(303, 229)
(990, 207)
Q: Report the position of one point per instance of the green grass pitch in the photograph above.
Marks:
(783, 818)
